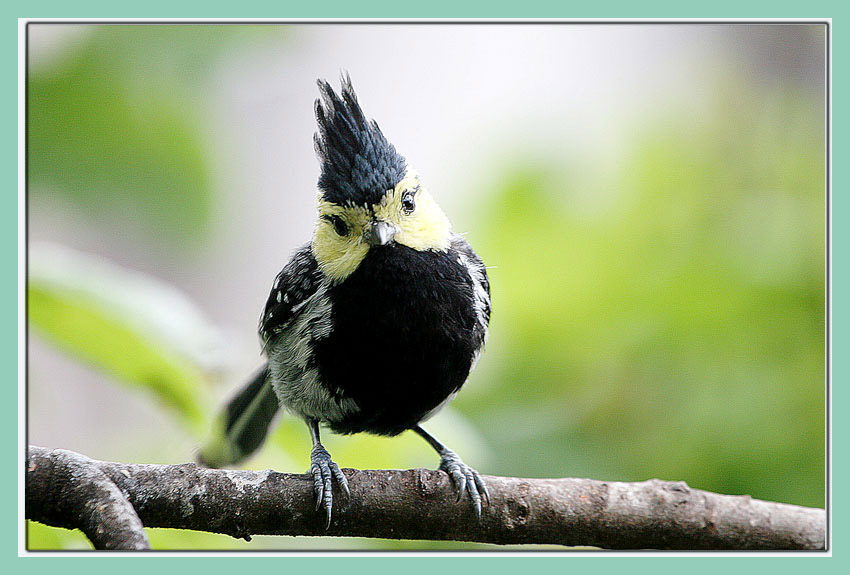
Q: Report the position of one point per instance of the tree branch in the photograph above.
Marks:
(66, 489)
(109, 502)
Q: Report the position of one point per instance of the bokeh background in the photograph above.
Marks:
(650, 199)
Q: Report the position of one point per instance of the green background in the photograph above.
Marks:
(523, 182)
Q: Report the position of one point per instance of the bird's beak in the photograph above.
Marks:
(379, 233)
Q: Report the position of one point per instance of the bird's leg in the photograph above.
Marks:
(465, 478)
(323, 470)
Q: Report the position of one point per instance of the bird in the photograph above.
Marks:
(374, 324)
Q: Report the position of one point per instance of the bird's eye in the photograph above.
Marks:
(407, 203)
(339, 225)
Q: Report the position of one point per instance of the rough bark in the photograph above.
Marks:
(110, 501)
(66, 489)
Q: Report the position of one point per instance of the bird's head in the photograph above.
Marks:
(369, 198)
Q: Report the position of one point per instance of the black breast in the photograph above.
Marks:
(402, 340)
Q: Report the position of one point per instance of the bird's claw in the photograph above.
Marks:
(466, 480)
(324, 470)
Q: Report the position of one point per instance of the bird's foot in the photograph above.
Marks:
(323, 470)
(466, 480)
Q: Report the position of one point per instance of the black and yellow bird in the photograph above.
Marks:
(375, 324)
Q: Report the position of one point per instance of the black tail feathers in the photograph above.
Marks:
(242, 427)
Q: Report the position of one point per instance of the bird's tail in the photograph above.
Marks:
(243, 424)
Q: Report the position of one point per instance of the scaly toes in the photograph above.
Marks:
(323, 469)
(466, 480)
(340, 478)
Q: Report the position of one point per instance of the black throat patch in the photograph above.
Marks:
(358, 163)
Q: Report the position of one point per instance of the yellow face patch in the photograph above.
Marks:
(339, 244)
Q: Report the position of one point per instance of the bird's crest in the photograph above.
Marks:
(358, 163)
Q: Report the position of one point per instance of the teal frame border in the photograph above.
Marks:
(363, 564)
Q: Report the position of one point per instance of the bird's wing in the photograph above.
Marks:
(293, 286)
(480, 287)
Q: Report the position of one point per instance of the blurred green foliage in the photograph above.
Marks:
(660, 317)
(118, 123)
(677, 331)
(139, 330)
